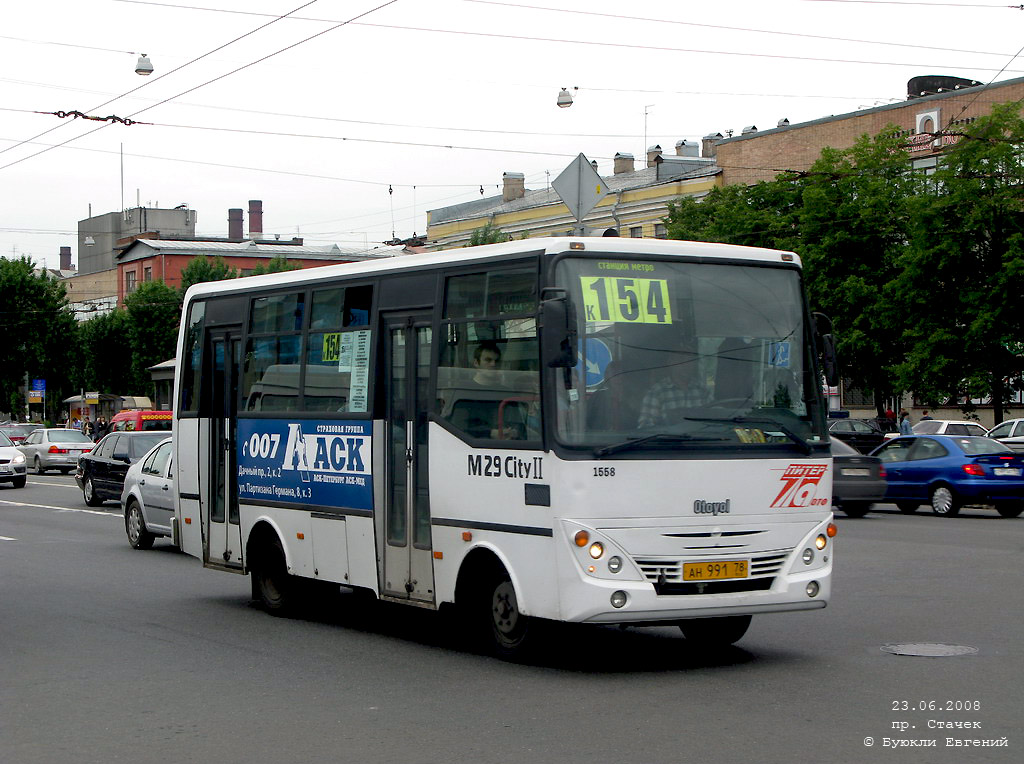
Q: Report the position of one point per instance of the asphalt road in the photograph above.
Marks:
(110, 654)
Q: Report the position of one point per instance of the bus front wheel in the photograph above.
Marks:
(715, 632)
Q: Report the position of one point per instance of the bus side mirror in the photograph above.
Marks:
(827, 347)
(558, 332)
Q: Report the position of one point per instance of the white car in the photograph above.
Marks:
(54, 448)
(148, 496)
(1010, 433)
(12, 463)
(948, 427)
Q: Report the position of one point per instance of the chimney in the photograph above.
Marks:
(235, 224)
(707, 144)
(593, 163)
(749, 129)
(65, 258)
(514, 186)
(622, 163)
(686, 148)
(255, 219)
(653, 152)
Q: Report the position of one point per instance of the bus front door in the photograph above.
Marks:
(223, 533)
(408, 558)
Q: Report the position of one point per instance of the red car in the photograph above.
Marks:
(18, 432)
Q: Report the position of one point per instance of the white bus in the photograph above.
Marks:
(598, 430)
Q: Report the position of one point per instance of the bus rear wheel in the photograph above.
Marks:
(715, 632)
(272, 586)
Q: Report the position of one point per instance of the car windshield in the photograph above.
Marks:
(67, 436)
(156, 424)
(140, 444)
(19, 430)
(687, 354)
(974, 446)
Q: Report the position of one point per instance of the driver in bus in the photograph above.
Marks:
(678, 389)
(484, 414)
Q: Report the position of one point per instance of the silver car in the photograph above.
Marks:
(54, 449)
(12, 463)
(1010, 433)
(148, 496)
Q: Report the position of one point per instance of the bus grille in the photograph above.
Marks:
(667, 575)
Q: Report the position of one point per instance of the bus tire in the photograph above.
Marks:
(710, 633)
(272, 586)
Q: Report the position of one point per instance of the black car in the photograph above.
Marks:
(101, 472)
(857, 480)
(865, 436)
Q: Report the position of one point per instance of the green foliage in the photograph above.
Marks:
(153, 313)
(277, 264)
(488, 234)
(203, 268)
(39, 336)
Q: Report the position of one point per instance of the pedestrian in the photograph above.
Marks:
(890, 414)
(905, 428)
(87, 428)
(925, 415)
(101, 429)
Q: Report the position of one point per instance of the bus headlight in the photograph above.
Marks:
(820, 542)
(596, 550)
(808, 556)
(618, 599)
(812, 589)
(614, 564)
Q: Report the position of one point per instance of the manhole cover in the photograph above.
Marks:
(929, 649)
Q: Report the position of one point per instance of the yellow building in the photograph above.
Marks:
(636, 204)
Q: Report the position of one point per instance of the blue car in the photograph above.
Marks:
(949, 471)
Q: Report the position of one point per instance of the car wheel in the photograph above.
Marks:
(907, 507)
(135, 527)
(710, 633)
(89, 493)
(39, 467)
(1006, 509)
(856, 508)
(19, 482)
(944, 501)
(65, 471)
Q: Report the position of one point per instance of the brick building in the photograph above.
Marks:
(933, 104)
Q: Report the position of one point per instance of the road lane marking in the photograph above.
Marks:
(116, 514)
(7, 538)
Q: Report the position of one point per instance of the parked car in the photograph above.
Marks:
(948, 427)
(101, 472)
(18, 432)
(949, 471)
(1009, 433)
(148, 496)
(12, 463)
(857, 480)
(52, 448)
(864, 436)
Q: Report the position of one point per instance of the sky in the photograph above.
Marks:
(350, 119)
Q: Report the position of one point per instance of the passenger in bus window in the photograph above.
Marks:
(479, 416)
(678, 389)
(612, 406)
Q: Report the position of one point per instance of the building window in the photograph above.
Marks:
(659, 231)
(636, 232)
(147, 273)
(129, 282)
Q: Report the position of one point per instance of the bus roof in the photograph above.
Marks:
(548, 245)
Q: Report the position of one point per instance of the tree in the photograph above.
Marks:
(203, 268)
(962, 279)
(278, 264)
(39, 330)
(854, 227)
(488, 234)
(154, 311)
(105, 360)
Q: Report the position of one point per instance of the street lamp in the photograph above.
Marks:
(565, 98)
(144, 66)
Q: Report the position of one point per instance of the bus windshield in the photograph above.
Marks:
(687, 355)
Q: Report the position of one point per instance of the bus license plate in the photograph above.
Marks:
(712, 571)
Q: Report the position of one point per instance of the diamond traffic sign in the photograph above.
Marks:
(580, 187)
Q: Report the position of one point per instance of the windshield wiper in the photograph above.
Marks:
(805, 446)
(661, 436)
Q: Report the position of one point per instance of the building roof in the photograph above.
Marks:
(669, 170)
(886, 107)
(141, 248)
